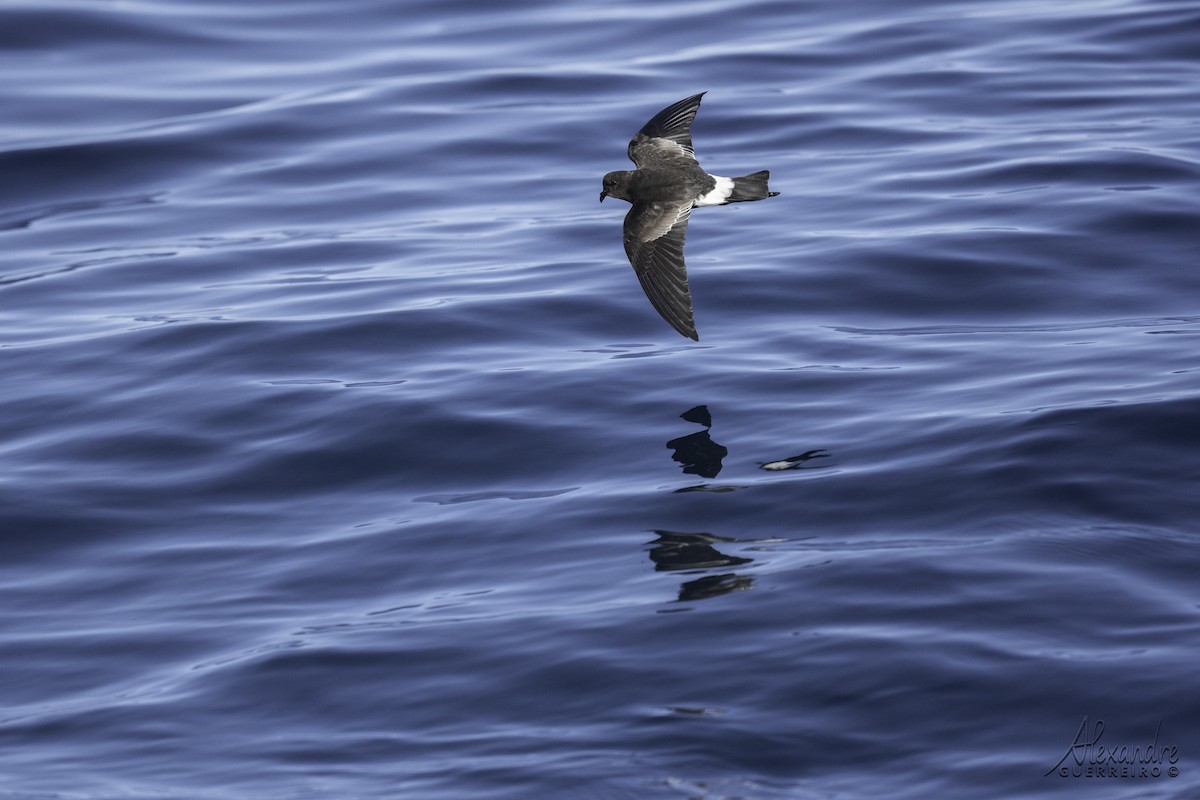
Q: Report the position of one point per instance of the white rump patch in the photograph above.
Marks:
(719, 195)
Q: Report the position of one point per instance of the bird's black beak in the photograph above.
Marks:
(602, 196)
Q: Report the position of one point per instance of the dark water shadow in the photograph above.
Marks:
(675, 551)
(697, 452)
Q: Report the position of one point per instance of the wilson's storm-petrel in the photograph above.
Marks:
(667, 184)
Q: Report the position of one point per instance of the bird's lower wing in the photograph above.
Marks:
(654, 236)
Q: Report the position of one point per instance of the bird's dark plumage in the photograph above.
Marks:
(667, 184)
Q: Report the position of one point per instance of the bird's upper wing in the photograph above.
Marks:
(668, 136)
(654, 234)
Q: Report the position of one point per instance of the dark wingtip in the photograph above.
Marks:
(684, 327)
(673, 122)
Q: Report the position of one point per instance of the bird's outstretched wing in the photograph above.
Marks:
(654, 234)
(668, 136)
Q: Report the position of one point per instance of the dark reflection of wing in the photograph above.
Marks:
(654, 237)
(698, 415)
(676, 551)
(698, 454)
(694, 552)
(714, 586)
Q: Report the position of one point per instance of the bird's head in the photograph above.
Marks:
(615, 184)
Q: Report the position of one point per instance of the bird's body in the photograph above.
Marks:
(667, 184)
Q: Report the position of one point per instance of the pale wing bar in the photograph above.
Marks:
(673, 123)
(654, 239)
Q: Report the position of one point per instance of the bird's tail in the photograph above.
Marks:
(751, 187)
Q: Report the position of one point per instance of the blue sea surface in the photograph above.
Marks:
(342, 456)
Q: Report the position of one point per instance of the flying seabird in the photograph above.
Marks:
(667, 184)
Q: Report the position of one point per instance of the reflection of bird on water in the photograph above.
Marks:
(713, 586)
(694, 552)
(673, 551)
(697, 452)
(795, 462)
(700, 455)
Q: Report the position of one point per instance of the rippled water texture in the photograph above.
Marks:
(341, 455)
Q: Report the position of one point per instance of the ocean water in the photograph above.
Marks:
(341, 455)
